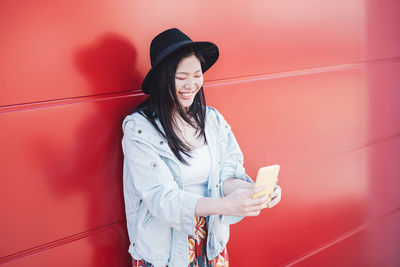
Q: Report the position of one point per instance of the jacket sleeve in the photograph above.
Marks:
(155, 184)
(233, 160)
(232, 154)
(232, 163)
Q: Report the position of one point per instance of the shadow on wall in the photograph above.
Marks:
(90, 166)
(109, 64)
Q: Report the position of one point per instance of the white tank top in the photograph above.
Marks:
(195, 175)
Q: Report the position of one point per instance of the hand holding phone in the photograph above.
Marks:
(268, 177)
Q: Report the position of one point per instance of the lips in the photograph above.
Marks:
(186, 95)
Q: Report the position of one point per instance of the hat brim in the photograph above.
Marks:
(208, 50)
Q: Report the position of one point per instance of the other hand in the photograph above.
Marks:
(275, 197)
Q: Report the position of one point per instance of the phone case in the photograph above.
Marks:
(267, 176)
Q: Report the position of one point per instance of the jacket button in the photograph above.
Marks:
(216, 186)
(219, 162)
(139, 131)
(161, 142)
(154, 165)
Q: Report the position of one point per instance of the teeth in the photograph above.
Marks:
(186, 94)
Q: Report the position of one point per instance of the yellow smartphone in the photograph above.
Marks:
(267, 176)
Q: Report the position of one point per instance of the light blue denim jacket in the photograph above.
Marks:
(159, 213)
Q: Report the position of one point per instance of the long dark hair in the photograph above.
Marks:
(162, 101)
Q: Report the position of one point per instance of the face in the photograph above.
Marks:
(188, 80)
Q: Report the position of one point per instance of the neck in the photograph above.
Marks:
(176, 114)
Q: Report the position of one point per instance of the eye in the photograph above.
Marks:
(179, 78)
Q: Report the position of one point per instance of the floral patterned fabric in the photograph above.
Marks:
(197, 250)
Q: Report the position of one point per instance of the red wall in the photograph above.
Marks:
(312, 86)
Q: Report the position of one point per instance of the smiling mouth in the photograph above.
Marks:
(186, 95)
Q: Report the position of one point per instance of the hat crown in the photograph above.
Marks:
(164, 42)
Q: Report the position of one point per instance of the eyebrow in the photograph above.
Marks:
(182, 72)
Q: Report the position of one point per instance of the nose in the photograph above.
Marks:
(190, 84)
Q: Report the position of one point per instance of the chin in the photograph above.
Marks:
(186, 104)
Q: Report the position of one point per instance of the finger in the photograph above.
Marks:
(256, 201)
(256, 190)
(252, 209)
(253, 213)
(274, 202)
(274, 194)
(272, 198)
(277, 196)
(256, 207)
(277, 191)
(278, 188)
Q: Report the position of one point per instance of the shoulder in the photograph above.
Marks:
(133, 120)
(214, 117)
(136, 124)
(213, 114)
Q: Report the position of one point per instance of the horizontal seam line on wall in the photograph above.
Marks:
(333, 156)
(59, 242)
(69, 100)
(342, 237)
(299, 72)
(211, 83)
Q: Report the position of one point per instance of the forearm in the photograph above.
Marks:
(232, 183)
(238, 203)
(209, 206)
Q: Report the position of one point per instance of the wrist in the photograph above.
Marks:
(222, 206)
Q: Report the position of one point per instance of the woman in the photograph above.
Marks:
(184, 180)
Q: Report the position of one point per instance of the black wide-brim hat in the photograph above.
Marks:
(170, 41)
